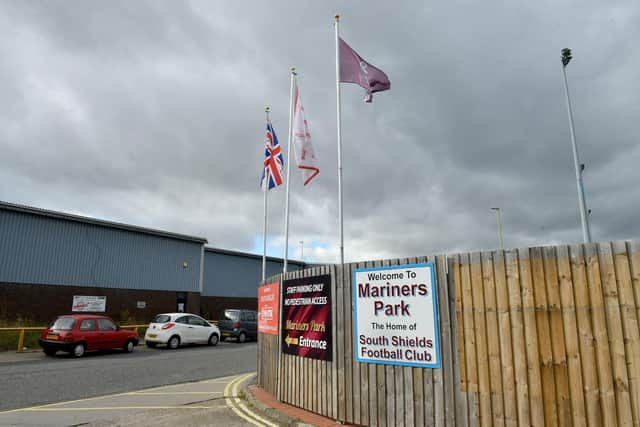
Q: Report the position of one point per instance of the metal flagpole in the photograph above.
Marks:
(286, 203)
(586, 230)
(264, 226)
(340, 215)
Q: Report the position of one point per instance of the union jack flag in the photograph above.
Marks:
(273, 162)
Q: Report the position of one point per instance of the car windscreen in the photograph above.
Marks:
(63, 324)
(161, 318)
(230, 315)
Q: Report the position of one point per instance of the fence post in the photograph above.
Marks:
(21, 341)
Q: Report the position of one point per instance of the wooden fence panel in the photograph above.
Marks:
(571, 337)
(447, 350)
(504, 329)
(469, 338)
(558, 347)
(517, 336)
(616, 337)
(480, 334)
(462, 399)
(544, 336)
(601, 338)
(629, 324)
(530, 336)
(352, 388)
(585, 336)
(493, 339)
(536, 406)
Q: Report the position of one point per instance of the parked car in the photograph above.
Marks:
(238, 323)
(175, 329)
(78, 333)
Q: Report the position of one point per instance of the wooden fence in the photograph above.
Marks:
(532, 336)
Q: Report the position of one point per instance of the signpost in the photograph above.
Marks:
(396, 315)
(306, 317)
(268, 308)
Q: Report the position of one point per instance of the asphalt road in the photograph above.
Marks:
(34, 379)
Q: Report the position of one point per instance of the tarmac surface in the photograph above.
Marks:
(31, 379)
(230, 401)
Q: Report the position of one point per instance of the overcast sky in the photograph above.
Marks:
(152, 114)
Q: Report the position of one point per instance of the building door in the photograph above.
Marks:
(181, 302)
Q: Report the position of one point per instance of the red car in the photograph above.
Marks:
(77, 333)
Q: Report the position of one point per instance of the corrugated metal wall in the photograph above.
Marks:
(232, 275)
(44, 250)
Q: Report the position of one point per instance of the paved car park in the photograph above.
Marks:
(214, 401)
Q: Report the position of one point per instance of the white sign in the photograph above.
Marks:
(396, 315)
(89, 303)
(141, 304)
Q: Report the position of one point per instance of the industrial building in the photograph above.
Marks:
(50, 259)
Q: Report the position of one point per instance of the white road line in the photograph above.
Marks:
(106, 408)
(128, 393)
(160, 393)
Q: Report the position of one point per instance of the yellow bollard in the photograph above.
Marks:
(21, 341)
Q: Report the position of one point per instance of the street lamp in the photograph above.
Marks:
(301, 250)
(499, 221)
(586, 231)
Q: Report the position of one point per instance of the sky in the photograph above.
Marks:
(151, 113)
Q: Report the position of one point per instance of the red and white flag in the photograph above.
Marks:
(305, 156)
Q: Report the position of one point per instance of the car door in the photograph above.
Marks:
(201, 329)
(109, 337)
(184, 329)
(252, 324)
(88, 331)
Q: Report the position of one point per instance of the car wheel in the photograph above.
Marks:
(50, 352)
(242, 337)
(78, 350)
(173, 342)
(150, 344)
(129, 346)
(213, 339)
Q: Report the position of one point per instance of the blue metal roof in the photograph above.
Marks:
(88, 220)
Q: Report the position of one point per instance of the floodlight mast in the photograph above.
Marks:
(586, 230)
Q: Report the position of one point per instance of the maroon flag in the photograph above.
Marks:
(354, 69)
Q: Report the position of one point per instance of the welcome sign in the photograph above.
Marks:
(396, 315)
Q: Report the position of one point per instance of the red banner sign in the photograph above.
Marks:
(306, 317)
(268, 296)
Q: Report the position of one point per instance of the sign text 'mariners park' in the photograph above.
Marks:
(395, 316)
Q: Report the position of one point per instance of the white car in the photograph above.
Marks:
(175, 329)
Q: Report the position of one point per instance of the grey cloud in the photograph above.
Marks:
(153, 113)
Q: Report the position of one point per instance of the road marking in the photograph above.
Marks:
(30, 408)
(52, 405)
(103, 408)
(169, 393)
(238, 407)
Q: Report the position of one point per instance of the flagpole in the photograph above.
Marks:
(286, 203)
(340, 214)
(265, 189)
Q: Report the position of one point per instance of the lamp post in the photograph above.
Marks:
(586, 231)
(301, 250)
(499, 221)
